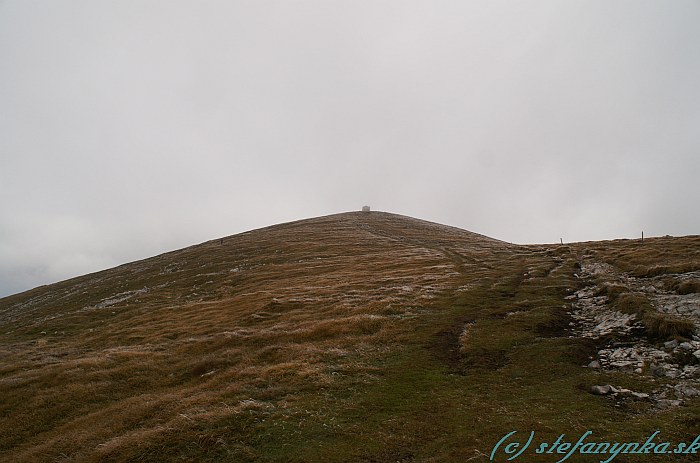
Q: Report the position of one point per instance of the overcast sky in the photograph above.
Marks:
(130, 128)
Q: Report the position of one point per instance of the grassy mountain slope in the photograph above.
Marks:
(353, 337)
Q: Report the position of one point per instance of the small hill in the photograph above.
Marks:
(354, 337)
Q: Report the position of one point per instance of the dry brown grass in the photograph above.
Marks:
(653, 257)
(646, 271)
(664, 326)
(664, 259)
(211, 332)
(294, 341)
(683, 287)
(632, 303)
(613, 291)
(657, 325)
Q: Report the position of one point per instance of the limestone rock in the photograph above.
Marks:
(685, 390)
(667, 403)
(601, 390)
(671, 344)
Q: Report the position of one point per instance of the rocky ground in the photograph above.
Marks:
(673, 365)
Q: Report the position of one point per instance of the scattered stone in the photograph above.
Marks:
(671, 344)
(683, 305)
(667, 403)
(627, 349)
(685, 390)
(601, 390)
(639, 395)
(608, 389)
(594, 317)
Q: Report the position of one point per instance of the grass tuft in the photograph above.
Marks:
(684, 287)
(656, 325)
(612, 291)
(632, 303)
(648, 271)
(664, 326)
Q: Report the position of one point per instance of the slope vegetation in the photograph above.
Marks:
(354, 337)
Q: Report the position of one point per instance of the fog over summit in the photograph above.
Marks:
(128, 129)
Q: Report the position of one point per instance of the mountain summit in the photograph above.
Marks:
(362, 336)
(345, 247)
